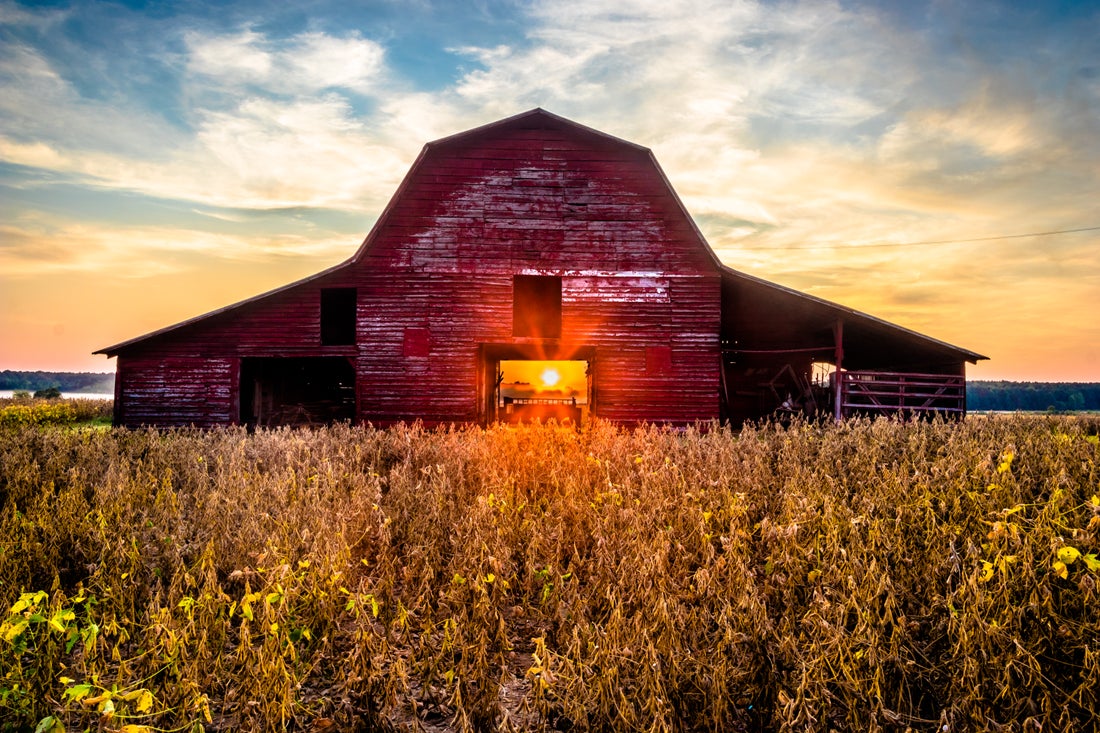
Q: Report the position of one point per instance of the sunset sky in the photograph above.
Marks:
(936, 164)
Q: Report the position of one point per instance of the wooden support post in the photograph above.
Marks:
(838, 358)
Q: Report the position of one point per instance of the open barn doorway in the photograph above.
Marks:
(297, 390)
(529, 386)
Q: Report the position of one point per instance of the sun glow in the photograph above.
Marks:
(544, 379)
(550, 377)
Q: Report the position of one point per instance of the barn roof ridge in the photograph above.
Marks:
(430, 146)
(535, 112)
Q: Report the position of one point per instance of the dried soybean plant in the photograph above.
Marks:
(875, 575)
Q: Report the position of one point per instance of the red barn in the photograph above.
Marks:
(530, 242)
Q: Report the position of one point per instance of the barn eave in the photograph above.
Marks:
(821, 314)
(116, 349)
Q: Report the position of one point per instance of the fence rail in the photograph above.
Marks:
(893, 392)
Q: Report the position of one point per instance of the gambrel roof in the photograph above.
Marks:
(754, 310)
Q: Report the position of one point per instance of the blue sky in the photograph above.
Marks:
(158, 160)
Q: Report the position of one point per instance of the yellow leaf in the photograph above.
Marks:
(98, 699)
(1095, 500)
(145, 702)
(15, 630)
(1013, 510)
(1068, 554)
(490, 578)
(1060, 569)
(1091, 562)
(813, 575)
(131, 728)
(987, 571)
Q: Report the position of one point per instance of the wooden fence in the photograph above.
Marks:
(900, 393)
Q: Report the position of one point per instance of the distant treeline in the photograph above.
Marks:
(1033, 396)
(65, 381)
(1010, 396)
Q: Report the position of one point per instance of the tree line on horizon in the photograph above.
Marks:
(1033, 396)
(980, 395)
(102, 382)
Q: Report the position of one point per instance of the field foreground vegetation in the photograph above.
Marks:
(867, 576)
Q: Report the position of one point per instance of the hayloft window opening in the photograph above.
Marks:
(536, 306)
(338, 316)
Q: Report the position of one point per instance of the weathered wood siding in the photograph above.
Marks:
(547, 200)
(176, 391)
(434, 283)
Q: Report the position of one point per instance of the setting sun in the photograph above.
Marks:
(550, 377)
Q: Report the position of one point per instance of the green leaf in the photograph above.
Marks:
(49, 724)
(89, 635)
(60, 620)
(1092, 562)
(76, 693)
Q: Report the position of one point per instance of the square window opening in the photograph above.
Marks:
(338, 316)
(536, 306)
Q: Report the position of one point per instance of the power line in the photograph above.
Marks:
(879, 245)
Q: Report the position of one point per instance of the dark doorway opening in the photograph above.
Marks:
(297, 391)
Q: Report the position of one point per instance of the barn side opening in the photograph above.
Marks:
(297, 390)
(529, 390)
(524, 383)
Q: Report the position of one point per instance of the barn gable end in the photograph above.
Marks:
(530, 238)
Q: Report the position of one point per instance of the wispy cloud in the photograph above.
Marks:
(305, 64)
(795, 133)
